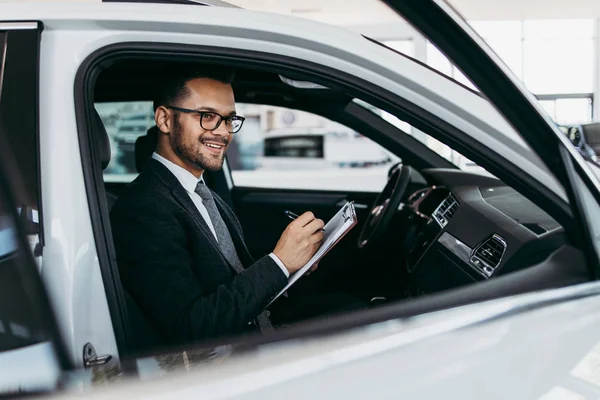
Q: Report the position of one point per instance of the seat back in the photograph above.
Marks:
(102, 141)
(145, 338)
(144, 147)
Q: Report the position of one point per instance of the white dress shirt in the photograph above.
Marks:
(189, 182)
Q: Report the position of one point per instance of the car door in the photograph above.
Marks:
(276, 199)
(32, 357)
(39, 179)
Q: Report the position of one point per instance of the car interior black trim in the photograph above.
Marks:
(38, 250)
(590, 247)
(20, 40)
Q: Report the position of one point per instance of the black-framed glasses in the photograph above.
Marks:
(210, 120)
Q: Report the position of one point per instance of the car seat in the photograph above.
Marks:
(144, 147)
(144, 337)
(100, 136)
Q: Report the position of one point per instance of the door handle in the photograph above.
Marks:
(91, 359)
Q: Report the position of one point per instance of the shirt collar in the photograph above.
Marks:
(185, 177)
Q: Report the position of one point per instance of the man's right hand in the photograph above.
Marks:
(299, 241)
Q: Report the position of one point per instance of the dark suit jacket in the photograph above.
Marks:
(171, 265)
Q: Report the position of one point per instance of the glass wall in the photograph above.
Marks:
(554, 58)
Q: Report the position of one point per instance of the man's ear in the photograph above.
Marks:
(162, 120)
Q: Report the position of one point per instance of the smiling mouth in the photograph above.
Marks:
(215, 147)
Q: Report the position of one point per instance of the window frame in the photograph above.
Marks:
(9, 183)
(86, 78)
(15, 31)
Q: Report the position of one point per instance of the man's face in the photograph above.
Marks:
(194, 145)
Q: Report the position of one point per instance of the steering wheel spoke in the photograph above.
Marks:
(385, 207)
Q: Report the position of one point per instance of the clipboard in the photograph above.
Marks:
(335, 229)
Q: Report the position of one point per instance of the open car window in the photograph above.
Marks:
(277, 147)
(283, 148)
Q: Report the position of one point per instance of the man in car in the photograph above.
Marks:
(180, 248)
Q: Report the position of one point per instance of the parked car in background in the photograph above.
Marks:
(130, 127)
(477, 285)
(318, 148)
(585, 138)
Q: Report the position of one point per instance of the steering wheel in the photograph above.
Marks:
(386, 205)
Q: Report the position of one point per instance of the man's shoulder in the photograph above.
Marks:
(144, 191)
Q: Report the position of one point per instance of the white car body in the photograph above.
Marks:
(535, 346)
(469, 351)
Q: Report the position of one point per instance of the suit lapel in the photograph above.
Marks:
(182, 197)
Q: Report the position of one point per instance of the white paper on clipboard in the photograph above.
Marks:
(335, 229)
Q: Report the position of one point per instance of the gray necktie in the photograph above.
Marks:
(226, 243)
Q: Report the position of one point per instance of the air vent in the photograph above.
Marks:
(445, 211)
(487, 255)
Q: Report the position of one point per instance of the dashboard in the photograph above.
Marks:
(472, 227)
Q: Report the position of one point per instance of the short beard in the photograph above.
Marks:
(187, 153)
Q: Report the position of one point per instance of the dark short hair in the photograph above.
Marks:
(174, 89)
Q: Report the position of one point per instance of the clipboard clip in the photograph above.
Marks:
(348, 208)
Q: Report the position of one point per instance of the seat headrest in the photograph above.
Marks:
(101, 139)
(144, 147)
